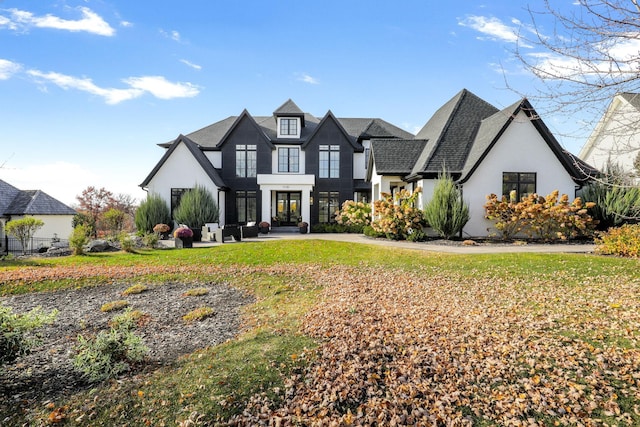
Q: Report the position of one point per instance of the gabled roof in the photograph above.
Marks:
(197, 153)
(289, 108)
(330, 117)
(212, 136)
(450, 132)
(29, 202)
(395, 156)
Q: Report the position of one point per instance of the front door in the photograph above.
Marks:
(288, 207)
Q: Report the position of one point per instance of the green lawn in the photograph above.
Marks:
(390, 304)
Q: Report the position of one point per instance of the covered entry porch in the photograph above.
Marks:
(286, 199)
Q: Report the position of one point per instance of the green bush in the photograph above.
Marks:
(150, 240)
(113, 220)
(23, 230)
(197, 207)
(336, 228)
(127, 242)
(614, 204)
(622, 241)
(79, 238)
(370, 232)
(152, 211)
(110, 353)
(14, 328)
(446, 212)
(86, 220)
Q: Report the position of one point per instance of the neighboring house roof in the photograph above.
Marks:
(197, 153)
(459, 136)
(29, 202)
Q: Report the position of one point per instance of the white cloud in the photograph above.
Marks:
(308, 79)
(157, 86)
(191, 64)
(126, 24)
(8, 69)
(161, 88)
(90, 22)
(495, 29)
(173, 34)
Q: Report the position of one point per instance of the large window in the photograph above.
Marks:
(523, 183)
(246, 161)
(176, 196)
(246, 206)
(289, 160)
(288, 126)
(328, 203)
(329, 161)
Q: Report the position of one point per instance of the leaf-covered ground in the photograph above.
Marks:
(401, 349)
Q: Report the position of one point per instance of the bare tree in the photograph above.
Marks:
(590, 55)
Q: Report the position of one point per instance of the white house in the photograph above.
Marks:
(17, 204)
(616, 137)
(485, 150)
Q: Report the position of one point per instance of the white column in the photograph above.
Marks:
(306, 208)
(266, 206)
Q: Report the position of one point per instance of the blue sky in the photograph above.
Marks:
(88, 88)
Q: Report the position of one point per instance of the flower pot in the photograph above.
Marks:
(264, 230)
(303, 230)
(197, 234)
(184, 242)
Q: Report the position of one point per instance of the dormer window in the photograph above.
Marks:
(288, 127)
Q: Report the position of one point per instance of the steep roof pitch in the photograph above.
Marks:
(450, 132)
(289, 108)
(197, 153)
(7, 193)
(395, 156)
(37, 202)
(330, 117)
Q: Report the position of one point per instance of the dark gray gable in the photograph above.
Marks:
(244, 116)
(209, 136)
(330, 117)
(36, 202)
(632, 98)
(395, 156)
(289, 108)
(197, 153)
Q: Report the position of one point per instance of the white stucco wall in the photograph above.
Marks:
(215, 157)
(61, 225)
(520, 149)
(615, 138)
(181, 170)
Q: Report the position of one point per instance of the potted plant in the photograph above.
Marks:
(184, 237)
(264, 227)
(162, 230)
(303, 227)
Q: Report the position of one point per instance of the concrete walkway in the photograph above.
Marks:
(445, 247)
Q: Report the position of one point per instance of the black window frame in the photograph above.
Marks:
(286, 163)
(327, 213)
(521, 182)
(289, 127)
(332, 161)
(246, 160)
(176, 196)
(244, 198)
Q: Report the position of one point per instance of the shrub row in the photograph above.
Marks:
(621, 241)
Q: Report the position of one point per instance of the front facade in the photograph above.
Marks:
(284, 168)
(484, 150)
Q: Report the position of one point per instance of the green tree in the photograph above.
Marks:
(23, 230)
(152, 211)
(197, 207)
(79, 238)
(446, 212)
(113, 220)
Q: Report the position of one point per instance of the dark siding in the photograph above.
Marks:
(330, 134)
(244, 133)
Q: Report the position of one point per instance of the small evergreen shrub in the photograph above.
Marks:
(127, 242)
(198, 314)
(614, 204)
(14, 328)
(152, 211)
(113, 221)
(129, 317)
(370, 232)
(114, 305)
(197, 207)
(79, 239)
(446, 213)
(135, 289)
(622, 241)
(110, 353)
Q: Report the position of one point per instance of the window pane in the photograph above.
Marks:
(528, 177)
(334, 167)
(283, 160)
(324, 164)
(510, 177)
(251, 163)
(241, 207)
(294, 159)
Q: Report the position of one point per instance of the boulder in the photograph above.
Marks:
(99, 246)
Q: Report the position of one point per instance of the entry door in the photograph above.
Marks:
(288, 205)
